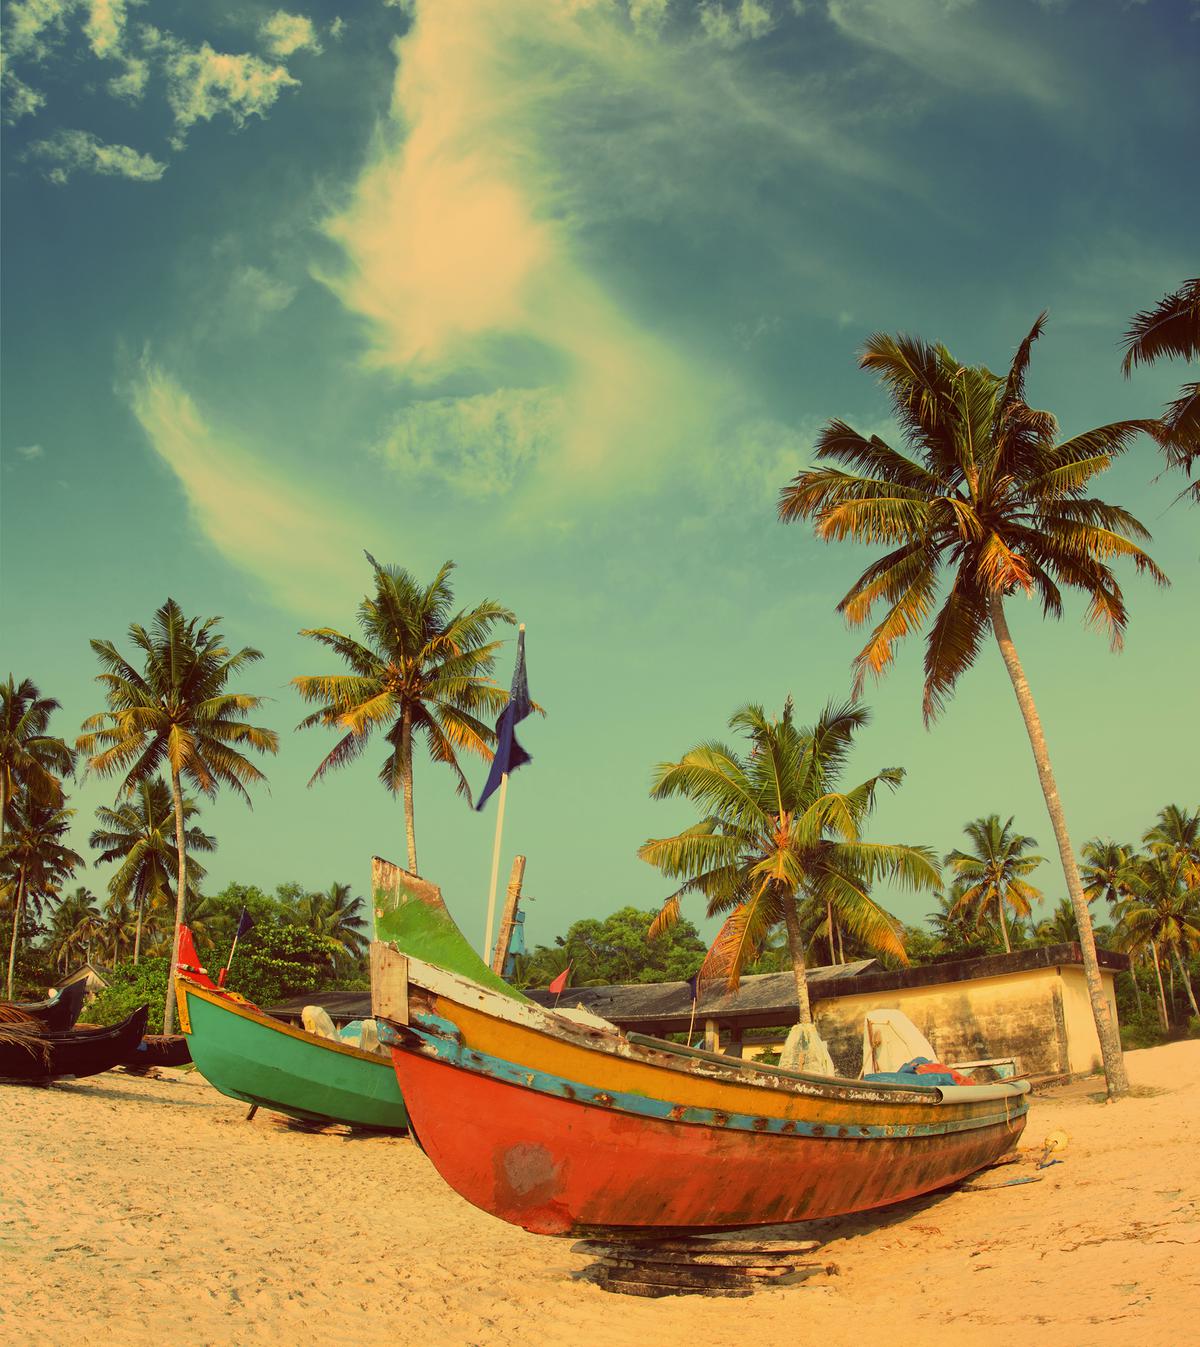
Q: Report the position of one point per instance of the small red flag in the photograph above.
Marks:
(560, 982)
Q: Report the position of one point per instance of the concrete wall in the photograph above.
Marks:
(1041, 1016)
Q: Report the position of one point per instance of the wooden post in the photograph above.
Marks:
(508, 916)
(712, 1035)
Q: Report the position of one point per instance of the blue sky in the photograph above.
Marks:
(563, 291)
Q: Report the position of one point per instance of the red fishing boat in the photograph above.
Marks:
(570, 1128)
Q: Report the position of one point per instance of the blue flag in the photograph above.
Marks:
(509, 754)
(245, 923)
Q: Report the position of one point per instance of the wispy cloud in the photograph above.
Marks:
(960, 43)
(203, 83)
(519, 132)
(29, 451)
(283, 33)
(478, 446)
(298, 543)
(67, 152)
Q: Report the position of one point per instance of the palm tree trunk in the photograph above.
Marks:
(1106, 1029)
(841, 947)
(829, 919)
(137, 934)
(1137, 991)
(180, 902)
(12, 949)
(1187, 982)
(791, 922)
(1162, 996)
(1003, 923)
(406, 779)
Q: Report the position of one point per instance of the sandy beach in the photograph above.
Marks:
(137, 1211)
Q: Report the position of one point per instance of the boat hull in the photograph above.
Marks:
(556, 1166)
(248, 1056)
(74, 1052)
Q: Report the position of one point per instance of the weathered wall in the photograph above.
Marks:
(1042, 1017)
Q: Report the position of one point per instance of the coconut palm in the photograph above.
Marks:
(176, 712)
(36, 862)
(776, 833)
(1162, 914)
(990, 495)
(76, 925)
(139, 832)
(1103, 869)
(421, 668)
(1176, 837)
(1059, 928)
(122, 927)
(993, 874)
(957, 930)
(336, 914)
(32, 762)
(1172, 328)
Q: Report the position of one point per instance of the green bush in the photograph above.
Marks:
(130, 984)
(273, 963)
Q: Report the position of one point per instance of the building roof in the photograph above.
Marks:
(762, 1000)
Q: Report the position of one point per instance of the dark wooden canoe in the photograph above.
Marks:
(159, 1050)
(71, 1052)
(59, 1012)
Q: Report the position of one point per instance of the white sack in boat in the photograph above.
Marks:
(890, 1039)
(316, 1021)
(804, 1050)
(578, 1015)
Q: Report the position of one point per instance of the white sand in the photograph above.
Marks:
(139, 1211)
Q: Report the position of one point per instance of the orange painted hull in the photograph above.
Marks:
(560, 1167)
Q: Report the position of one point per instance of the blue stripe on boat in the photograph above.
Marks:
(440, 1039)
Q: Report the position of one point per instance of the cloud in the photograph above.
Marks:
(30, 451)
(295, 540)
(746, 22)
(67, 152)
(283, 33)
(20, 100)
(479, 446)
(203, 83)
(32, 28)
(480, 242)
(337, 27)
(956, 42)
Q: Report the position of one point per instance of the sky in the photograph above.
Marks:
(563, 290)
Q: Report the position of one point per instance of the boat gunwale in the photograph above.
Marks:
(528, 1015)
(186, 987)
(552, 1085)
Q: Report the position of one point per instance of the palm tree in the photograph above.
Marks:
(991, 495)
(176, 712)
(1059, 928)
(1172, 328)
(1175, 839)
(35, 861)
(993, 875)
(32, 762)
(140, 834)
(958, 931)
(1162, 914)
(1104, 866)
(335, 914)
(1176, 836)
(75, 924)
(776, 832)
(421, 668)
(122, 928)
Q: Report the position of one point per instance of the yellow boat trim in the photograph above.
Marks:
(627, 1075)
(185, 989)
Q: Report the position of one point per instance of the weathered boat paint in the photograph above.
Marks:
(559, 1166)
(250, 1056)
(570, 1129)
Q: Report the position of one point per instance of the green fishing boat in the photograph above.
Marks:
(250, 1056)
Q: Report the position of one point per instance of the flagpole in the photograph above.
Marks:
(491, 908)
(692, 1022)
